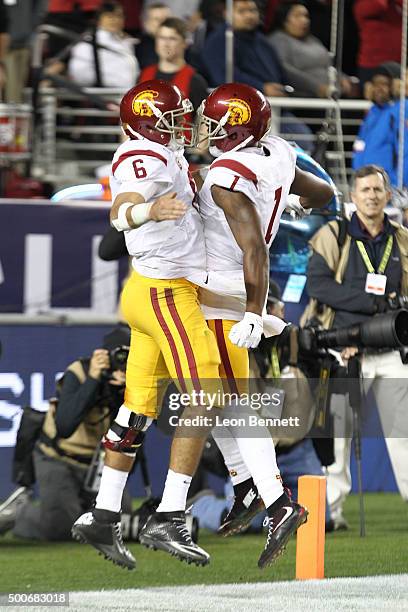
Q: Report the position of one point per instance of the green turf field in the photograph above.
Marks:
(31, 566)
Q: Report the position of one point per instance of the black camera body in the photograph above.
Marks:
(117, 360)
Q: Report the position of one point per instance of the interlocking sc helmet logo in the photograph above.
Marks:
(139, 104)
(239, 112)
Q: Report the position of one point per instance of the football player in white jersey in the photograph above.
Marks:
(241, 202)
(170, 339)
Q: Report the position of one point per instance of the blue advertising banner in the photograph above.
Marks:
(49, 259)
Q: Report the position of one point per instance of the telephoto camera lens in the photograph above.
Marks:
(389, 330)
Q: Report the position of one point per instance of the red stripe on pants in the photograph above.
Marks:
(159, 315)
(184, 338)
(222, 347)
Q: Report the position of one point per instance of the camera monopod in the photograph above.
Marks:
(354, 386)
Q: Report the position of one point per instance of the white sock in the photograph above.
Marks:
(258, 452)
(111, 489)
(175, 492)
(228, 446)
(259, 455)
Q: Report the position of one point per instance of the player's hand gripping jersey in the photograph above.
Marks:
(264, 174)
(168, 249)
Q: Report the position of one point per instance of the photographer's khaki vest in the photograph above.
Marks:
(80, 446)
(325, 243)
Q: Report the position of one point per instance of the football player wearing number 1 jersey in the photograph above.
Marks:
(241, 201)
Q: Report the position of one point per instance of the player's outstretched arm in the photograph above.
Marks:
(313, 191)
(130, 210)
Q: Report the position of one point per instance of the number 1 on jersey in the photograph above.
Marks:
(278, 195)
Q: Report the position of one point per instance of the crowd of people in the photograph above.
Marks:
(281, 47)
(279, 43)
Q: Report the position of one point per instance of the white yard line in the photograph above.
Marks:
(374, 593)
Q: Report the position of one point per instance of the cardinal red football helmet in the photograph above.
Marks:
(236, 116)
(156, 110)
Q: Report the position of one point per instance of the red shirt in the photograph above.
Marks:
(67, 6)
(380, 26)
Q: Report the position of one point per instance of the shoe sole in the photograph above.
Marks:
(268, 560)
(80, 537)
(239, 525)
(148, 542)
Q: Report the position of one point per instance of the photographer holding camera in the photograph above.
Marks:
(358, 269)
(67, 449)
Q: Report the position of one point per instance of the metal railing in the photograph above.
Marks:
(73, 138)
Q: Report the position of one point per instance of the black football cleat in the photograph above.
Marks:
(103, 532)
(284, 522)
(168, 531)
(241, 514)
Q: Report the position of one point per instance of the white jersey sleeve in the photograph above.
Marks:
(235, 176)
(142, 171)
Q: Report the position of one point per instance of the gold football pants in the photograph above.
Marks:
(170, 340)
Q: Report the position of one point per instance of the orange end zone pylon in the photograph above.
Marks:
(311, 536)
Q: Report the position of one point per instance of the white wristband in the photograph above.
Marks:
(139, 215)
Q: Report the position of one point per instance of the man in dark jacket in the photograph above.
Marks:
(351, 279)
(255, 63)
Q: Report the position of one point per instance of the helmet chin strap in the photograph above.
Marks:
(133, 132)
(242, 144)
(173, 144)
(216, 152)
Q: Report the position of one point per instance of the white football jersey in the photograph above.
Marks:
(265, 175)
(164, 249)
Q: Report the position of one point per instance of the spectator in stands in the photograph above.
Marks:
(255, 63)
(24, 16)
(153, 16)
(305, 59)
(395, 70)
(377, 139)
(380, 29)
(4, 44)
(210, 15)
(112, 65)
(171, 43)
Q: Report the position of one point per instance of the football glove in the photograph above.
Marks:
(247, 333)
(295, 209)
